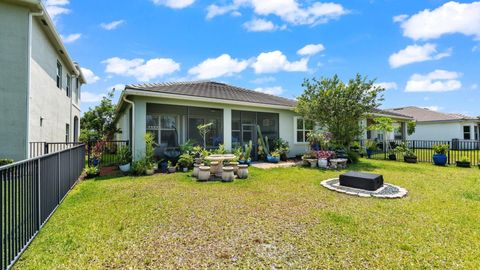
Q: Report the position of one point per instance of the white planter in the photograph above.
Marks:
(323, 163)
(125, 167)
(149, 171)
(313, 162)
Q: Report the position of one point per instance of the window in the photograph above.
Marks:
(303, 128)
(77, 90)
(466, 133)
(59, 75)
(476, 133)
(69, 85)
(67, 133)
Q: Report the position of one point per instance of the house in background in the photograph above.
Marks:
(172, 112)
(399, 124)
(39, 82)
(432, 125)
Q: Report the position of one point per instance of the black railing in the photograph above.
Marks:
(30, 192)
(458, 150)
(104, 152)
(42, 148)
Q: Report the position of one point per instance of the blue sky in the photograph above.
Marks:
(426, 53)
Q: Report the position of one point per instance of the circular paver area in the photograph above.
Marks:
(388, 191)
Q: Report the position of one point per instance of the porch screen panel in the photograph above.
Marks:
(268, 123)
(199, 116)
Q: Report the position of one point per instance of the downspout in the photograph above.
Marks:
(29, 79)
(133, 126)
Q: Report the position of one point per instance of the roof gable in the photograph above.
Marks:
(426, 115)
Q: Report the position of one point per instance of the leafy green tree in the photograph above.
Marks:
(411, 126)
(98, 122)
(339, 107)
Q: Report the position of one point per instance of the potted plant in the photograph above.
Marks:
(97, 152)
(371, 148)
(274, 157)
(170, 167)
(245, 156)
(163, 166)
(282, 147)
(464, 162)
(392, 154)
(315, 140)
(311, 158)
(440, 156)
(92, 171)
(185, 161)
(125, 158)
(323, 157)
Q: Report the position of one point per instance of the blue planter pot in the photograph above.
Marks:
(440, 159)
(369, 153)
(245, 162)
(95, 162)
(163, 167)
(273, 159)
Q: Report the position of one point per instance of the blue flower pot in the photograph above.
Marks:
(163, 167)
(245, 162)
(95, 162)
(440, 159)
(273, 159)
(369, 153)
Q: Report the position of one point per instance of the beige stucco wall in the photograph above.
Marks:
(47, 101)
(286, 121)
(13, 80)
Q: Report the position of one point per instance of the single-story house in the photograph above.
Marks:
(172, 112)
(438, 126)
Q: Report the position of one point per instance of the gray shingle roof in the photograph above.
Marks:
(388, 112)
(214, 90)
(426, 115)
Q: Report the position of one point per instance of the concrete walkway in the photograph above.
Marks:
(267, 165)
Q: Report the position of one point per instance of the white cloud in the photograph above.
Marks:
(224, 65)
(56, 8)
(112, 25)
(71, 38)
(452, 17)
(474, 86)
(275, 61)
(88, 97)
(388, 85)
(261, 25)
(311, 49)
(433, 108)
(262, 80)
(436, 81)
(89, 75)
(400, 18)
(416, 53)
(289, 11)
(140, 69)
(176, 4)
(275, 90)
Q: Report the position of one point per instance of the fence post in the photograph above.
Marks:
(39, 194)
(45, 148)
(448, 154)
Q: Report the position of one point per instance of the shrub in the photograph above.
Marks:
(124, 155)
(353, 156)
(440, 148)
(92, 171)
(5, 161)
(465, 159)
(185, 160)
(371, 145)
(139, 167)
(275, 154)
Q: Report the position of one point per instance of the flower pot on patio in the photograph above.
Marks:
(124, 168)
(273, 159)
(323, 163)
(369, 153)
(242, 171)
(172, 169)
(440, 159)
(149, 171)
(163, 167)
(410, 159)
(463, 164)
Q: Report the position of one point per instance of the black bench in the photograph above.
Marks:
(367, 181)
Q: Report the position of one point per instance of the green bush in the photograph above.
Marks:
(353, 156)
(185, 160)
(440, 148)
(124, 155)
(139, 167)
(5, 161)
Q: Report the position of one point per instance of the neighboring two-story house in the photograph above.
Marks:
(39, 82)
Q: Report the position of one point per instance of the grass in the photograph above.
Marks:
(280, 218)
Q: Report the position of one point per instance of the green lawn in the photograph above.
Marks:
(276, 218)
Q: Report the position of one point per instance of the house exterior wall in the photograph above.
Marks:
(14, 22)
(441, 131)
(47, 101)
(286, 121)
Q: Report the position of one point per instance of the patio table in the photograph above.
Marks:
(220, 158)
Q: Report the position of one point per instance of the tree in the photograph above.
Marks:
(384, 124)
(203, 130)
(98, 122)
(337, 106)
(411, 126)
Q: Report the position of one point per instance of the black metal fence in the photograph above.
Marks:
(30, 192)
(103, 152)
(42, 148)
(458, 150)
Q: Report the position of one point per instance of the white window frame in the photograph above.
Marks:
(476, 130)
(296, 129)
(59, 75)
(469, 132)
(68, 87)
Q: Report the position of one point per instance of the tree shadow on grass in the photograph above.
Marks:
(362, 166)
